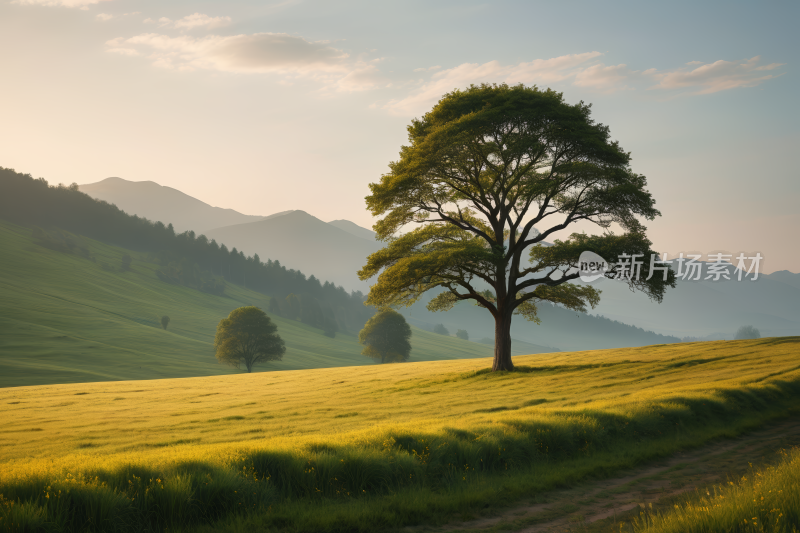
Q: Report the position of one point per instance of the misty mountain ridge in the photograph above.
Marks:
(148, 199)
(303, 242)
(336, 250)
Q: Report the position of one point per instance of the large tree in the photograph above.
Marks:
(248, 337)
(386, 337)
(490, 175)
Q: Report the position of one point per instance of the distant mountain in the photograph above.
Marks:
(303, 242)
(706, 307)
(784, 276)
(336, 250)
(155, 202)
(354, 229)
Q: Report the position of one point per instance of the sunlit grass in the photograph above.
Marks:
(765, 500)
(365, 448)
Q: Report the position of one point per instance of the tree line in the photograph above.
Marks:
(33, 202)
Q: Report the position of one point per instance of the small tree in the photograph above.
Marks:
(164, 321)
(747, 332)
(386, 336)
(329, 327)
(462, 334)
(441, 330)
(291, 307)
(274, 306)
(248, 337)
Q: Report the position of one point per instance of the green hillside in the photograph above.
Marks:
(65, 318)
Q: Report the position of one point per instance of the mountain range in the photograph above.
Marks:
(156, 202)
(336, 250)
(332, 251)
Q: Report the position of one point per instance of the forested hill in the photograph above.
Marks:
(186, 258)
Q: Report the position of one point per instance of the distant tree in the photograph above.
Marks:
(747, 332)
(386, 336)
(126, 262)
(248, 337)
(311, 312)
(440, 329)
(291, 307)
(462, 334)
(274, 306)
(329, 328)
(164, 321)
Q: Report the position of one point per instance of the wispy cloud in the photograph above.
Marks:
(260, 53)
(717, 76)
(428, 69)
(80, 4)
(105, 17)
(191, 22)
(539, 71)
(607, 78)
(586, 71)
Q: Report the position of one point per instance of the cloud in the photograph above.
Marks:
(199, 20)
(190, 22)
(584, 70)
(259, 53)
(104, 17)
(124, 51)
(362, 77)
(603, 78)
(718, 76)
(538, 71)
(80, 4)
(436, 67)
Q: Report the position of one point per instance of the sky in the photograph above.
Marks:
(268, 106)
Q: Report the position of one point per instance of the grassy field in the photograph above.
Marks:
(66, 319)
(371, 448)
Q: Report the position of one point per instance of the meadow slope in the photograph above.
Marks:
(66, 319)
(378, 447)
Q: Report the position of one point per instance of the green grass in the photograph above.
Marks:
(372, 448)
(765, 500)
(66, 319)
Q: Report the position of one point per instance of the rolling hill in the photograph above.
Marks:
(66, 318)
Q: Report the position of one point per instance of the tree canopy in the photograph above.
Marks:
(387, 337)
(490, 175)
(747, 332)
(248, 337)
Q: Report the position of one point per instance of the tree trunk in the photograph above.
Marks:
(502, 343)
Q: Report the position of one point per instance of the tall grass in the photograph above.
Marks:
(374, 466)
(765, 500)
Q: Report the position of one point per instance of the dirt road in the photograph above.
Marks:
(600, 506)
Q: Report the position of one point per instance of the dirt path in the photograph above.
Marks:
(599, 506)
